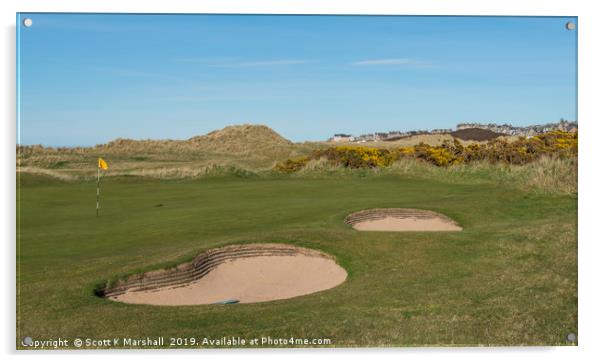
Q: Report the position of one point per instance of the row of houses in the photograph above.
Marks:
(385, 136)
(506, 129)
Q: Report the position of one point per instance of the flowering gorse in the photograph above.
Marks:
(555, 144)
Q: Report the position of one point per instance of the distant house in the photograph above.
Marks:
(341, 138)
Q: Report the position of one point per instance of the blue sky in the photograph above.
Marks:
(86, 79)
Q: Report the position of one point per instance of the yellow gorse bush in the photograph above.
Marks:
(357, 157)
(556, 144)
(292, 165)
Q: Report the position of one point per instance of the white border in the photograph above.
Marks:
(590, 37)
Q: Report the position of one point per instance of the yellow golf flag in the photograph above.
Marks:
(102, 164)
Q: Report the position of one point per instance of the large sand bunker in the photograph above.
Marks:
(243, 273)
(400, 219)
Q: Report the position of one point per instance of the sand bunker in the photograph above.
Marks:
(399, 219)
(247, 273)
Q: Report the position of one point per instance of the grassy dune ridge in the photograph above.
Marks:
(255, 150)
(253, 147)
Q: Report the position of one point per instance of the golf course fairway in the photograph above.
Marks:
(507, 278)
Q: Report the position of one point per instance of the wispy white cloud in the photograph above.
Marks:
(391, 62)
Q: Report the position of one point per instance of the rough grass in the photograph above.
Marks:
(550, 175)
(189, 172)
(547, 175)
(509, 278)
(47, 172)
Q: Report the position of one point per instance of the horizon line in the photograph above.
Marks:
(295, 142)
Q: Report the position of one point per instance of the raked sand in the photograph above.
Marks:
(396, 224)
(249, 279)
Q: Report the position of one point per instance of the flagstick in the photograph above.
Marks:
(97, 190)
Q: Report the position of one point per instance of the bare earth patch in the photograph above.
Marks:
(260, 276)
(400, 219)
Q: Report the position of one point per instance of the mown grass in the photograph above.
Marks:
(509, 278)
